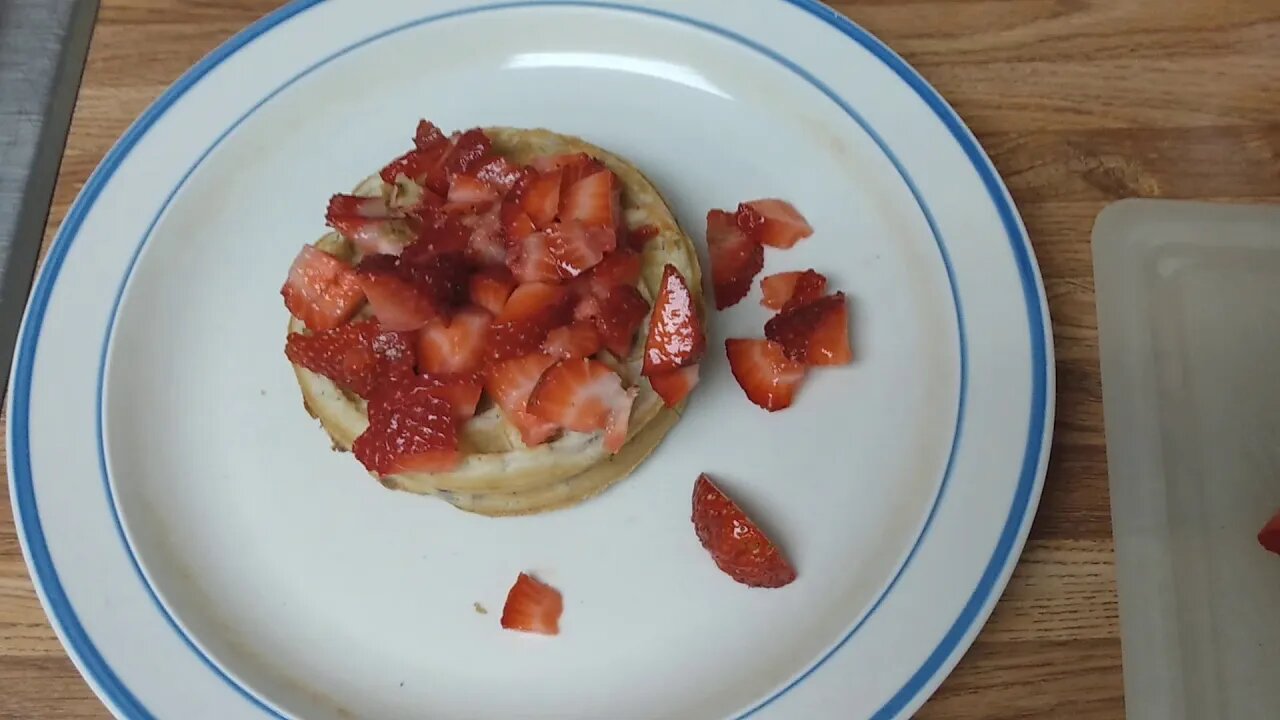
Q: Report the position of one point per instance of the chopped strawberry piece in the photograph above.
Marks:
(533, 607)
(579, 339)
(540, 198)
(1269, 536)
(676, 338)
(620, 314)
(509, 384)
(442, 276)
(412, 428)
(471, 149)
(491, 286)
(500, 173)
(575, 166)
(620, 267)
(456, 345)
(530, 313)
(560, 252)
(437, 232)
(486, 245)
(584, 395)
(428, 135)
(397, 302)
(595, 200)
(368, 223)
(321, 290)
(816, 333)
(516, 223)
(736, 258)
(359, 356)
(675, 386)
(637, 238)
(769, 378)
(424, 166)
(789, 289)
(737, 545)
(773, 222)
(468, 189)
(587, 306)
(462, 392)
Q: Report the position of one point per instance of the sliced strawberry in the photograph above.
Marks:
(1269, 536)
(575, 166)
(595, 200)
(471, 149)
(638, 237)
(540, 198)
(509, 384)
(530, 313)
(486, 245)
(425, 166)
(369, 223)
(584, 395)
(411, 429)
(792, 288)
(500, 173)
(816, 333)
(468, 189)
(437, 232)
(675, 386)
(578, 339)
(516, 223)
(462, 392)
(456, 345)
(773, 222)
(428, 135)
(735, 258)
(620, 267)
(619, 315)
(737, 545)
(491, 286)
(444, 277)
(321, 290)
(397, 302)
(587, 306)
(769, 378)
(533, 607)
(359, 356)
(676, 338)
(560, 252)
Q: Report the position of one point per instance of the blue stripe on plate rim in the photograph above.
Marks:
(925, 677)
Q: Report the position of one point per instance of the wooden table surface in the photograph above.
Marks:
(1079, 102)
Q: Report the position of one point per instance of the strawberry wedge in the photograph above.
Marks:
(584, 395)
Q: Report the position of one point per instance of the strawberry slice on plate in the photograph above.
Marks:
(427, 135)
(516, 223)
(533, 607)
(773, 222)
(461, 391)
(764, 371)
(674, 386)
(618, 316)
(397, 302)
(540, 197)
(509, 384)
(455, 345)
(620, 267)
(1269, 536)
(584, 395)
(816, 333)
(737, 545)
(561, 252)
(500, 173)
(676, 338)
(794, 288)
(358, 356)
(412, 428)
(736, 258)
(471, 190)
(578, 339)
(321, 290)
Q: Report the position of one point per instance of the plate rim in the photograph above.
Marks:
(920, 685)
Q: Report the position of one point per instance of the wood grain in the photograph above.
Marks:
(1079, 103)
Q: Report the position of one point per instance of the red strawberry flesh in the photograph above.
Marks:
(737, 545)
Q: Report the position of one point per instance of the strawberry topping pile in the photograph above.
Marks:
(476, 275)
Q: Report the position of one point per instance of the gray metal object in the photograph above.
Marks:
(1189, 321)
(43, 44)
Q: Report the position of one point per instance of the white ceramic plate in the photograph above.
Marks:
(201, 552)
